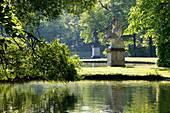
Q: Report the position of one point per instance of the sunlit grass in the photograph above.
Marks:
(130, 69)
(142, 59)
(140, 70)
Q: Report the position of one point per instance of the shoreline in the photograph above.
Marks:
(126, 77)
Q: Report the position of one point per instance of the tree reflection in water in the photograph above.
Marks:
(87, 97)
(14, 99)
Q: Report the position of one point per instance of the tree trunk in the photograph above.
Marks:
(134, 44)
(150, 46)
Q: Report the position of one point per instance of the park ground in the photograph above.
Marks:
(131, 69)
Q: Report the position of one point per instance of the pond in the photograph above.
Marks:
(86, 97)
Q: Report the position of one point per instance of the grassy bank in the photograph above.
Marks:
(131, 70)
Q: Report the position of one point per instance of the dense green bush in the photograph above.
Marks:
(49, 61)
(163, 52)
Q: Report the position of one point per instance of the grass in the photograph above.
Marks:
(142, 59)
(131, 70)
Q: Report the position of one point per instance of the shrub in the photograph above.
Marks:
(49, 61)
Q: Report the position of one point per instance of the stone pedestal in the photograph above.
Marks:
(96, 46)
(116, 57)
(95, 52)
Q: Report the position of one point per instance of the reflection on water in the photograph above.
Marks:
(86, 97)
(128, 65)
(37, 98)
(94, 65)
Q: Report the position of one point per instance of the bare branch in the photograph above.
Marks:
(17, 44)
(31, 35)
(105, 7)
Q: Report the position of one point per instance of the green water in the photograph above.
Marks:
(86, 97)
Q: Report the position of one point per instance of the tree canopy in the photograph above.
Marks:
(29, 13)
(152, 16)
(22, 54)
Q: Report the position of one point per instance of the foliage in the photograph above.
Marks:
(49, 61)
(66, 29)
(55, 62)
(10, 26)
(18, 14)
(52, 8)
(12, 60)
(9, 23)
(31, 12)
(100, 17)
(152, 17)
(18, 21)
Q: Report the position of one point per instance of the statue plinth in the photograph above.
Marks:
(96, 46)
(95, 51)
(116, 57)
(116, 51)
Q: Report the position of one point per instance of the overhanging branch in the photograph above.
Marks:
(105, 7)
(31, 35)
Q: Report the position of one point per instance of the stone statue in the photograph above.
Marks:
(95, 46)
(95, 37)
(114, 32)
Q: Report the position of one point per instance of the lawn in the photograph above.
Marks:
(142, 59)
(130, 69)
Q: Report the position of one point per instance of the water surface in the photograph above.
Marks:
(86, 97)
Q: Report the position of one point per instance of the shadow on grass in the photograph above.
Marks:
(129, 66)
(149, 77)
(164, 69)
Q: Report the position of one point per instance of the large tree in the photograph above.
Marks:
(29, 13)
(152, 16)
(22, 54)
